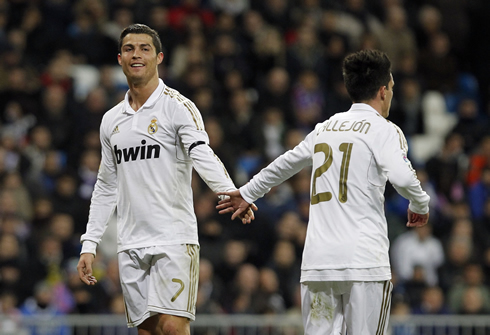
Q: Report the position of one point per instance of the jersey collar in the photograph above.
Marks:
(361, 107)
(149, 103)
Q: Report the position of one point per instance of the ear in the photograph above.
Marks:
(382, 92)
(160, 58)
(119, 59)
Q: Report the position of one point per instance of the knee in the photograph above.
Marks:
(174, 326)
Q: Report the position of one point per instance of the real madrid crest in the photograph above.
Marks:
(153, 127)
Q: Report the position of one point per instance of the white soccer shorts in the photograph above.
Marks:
(346, 307)
(159, 280)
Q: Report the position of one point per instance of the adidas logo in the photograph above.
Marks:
(115, 131)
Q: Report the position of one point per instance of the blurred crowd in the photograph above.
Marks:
(262, 73)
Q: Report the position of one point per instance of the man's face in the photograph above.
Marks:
(388, 97)
(138, 58)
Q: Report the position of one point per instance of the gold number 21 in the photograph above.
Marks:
(346, 148)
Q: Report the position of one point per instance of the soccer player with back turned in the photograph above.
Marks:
(150, 143)
(345, 271)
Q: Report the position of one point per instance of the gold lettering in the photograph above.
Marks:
(360, 123)
(368, 127)
(342, 125)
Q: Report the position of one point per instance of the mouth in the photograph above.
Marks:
(137, 65)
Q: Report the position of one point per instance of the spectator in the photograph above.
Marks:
(397, 39)
(411, 248)
(286, 266)
(460, 298)
(433, 302)
(478, 160)
(308, 100)
(210, 289)
(471, 125)
(276, 92)
(438, 66)
(448, 168)
(242, 298)
(459, 252)
(41, 305)
(270, 298)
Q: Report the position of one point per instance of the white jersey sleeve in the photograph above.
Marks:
(281, 169)
(104, 196)
(391, 155)
(190, 129)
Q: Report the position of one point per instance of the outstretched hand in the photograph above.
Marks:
(417, 220)
(235, 204)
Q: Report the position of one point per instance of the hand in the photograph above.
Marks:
(84, 268)
(417, 220)
(235, 204)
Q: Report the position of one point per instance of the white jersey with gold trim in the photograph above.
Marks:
(353, 155)
(146, 170)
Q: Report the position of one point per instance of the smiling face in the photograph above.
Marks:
(139, 59)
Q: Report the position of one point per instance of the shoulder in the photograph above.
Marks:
(113, 112)
(174, 97)
(109, 116)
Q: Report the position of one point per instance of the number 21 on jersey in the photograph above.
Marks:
(346, 148)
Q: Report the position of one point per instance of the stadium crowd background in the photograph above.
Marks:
(262, 73)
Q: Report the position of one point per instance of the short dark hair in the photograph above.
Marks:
(139, 28)
(365, 72)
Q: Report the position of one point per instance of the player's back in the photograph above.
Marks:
(347, 227)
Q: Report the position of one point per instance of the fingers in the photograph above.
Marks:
(237, 213)
(226, 210)
(417, 220)
(224, 202)
(224, 205)
(84, 269)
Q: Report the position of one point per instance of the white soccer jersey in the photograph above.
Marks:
(353, 155)
(146, 169)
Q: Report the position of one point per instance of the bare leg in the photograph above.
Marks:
(163, 324)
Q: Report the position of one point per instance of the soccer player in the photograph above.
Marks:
(150, 143)
(345, 271)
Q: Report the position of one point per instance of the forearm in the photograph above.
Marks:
(419, 199)
(102, 207)
(281, 169)
(211, 169)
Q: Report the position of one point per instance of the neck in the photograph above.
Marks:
(376, 104)
(140, 92)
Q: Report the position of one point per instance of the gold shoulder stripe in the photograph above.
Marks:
(401, 138)
(196, 116)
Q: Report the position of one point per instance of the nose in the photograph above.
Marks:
(136, 53)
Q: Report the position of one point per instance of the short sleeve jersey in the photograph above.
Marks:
(146, 171)
(353, 155)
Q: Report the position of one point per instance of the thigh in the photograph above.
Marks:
(321, 306)
(174, 280)
(159, 280)
(367, 307)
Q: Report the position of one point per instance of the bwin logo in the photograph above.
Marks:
(132, 153)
